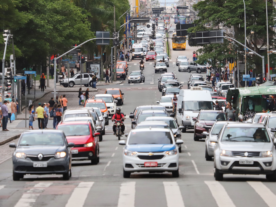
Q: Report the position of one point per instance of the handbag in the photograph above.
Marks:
(12, 117)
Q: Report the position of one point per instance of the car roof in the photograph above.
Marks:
(160, 117)
(95, 100)
(153, 112)
(76, 111)
(103, 95)
(74, 123)
(151, 129)
(211, 111)
(78, 118)
(241, 124)
(112, 89)
(153, 123)
(42, 131)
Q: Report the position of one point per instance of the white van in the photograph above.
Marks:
(190, 102)
(137, 51)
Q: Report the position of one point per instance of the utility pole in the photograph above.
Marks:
(115, 49)
(267, 42)
(245, 83)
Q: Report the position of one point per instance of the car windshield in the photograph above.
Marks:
(160, 64)
(113, 92)
(245, 134)
(152, 126)
(98, 105)
(216, 129)
(151, 53)
(135, 73)
(199, 84)
(138, 49)
(173, 90)
(120, 70)
(142, 117)
(272, 122)
(75, 129)
(160, 57)
(207, 89)
(196, 78)
(75, 115)
(105, 99)
(159, 49)
(171, 123)
(212, 116)
(198, 105)
(150, 137)
(182, 57)
(42, 139)
(226, 87)
(257, 118)
(165, 78)
(184, 63)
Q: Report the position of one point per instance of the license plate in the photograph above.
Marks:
(74, 151)
(246, 162)
(40, 164)
(150, 164)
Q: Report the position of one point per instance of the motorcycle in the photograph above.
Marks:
(118, 125)
(142, 67)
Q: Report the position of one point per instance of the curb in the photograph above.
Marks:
(9, 139)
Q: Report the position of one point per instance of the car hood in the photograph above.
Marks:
(161, 66)
(207, 123)
(166, 104)
(78, 139)
(182, 60)
(183, 66)
(137, 76)
(45, 150)
(245, 146)
(151, 147)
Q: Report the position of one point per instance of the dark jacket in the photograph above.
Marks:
(42, 82)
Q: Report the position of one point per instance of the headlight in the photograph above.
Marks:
(90, 144)
(187, 117)
(266, 154)
(130, 153)
(212, 144)
(118, 123)
(226, 153)
(138, 77)
(199, 125)
(20, 155)
(128, 78)
(172, 152)
(60, 154)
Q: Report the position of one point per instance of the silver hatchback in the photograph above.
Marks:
(245, 149)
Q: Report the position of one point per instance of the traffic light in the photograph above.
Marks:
(82, 59)
(177, 12)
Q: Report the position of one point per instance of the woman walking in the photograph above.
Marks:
(58, 113)
(79, 96)
(42, 82)
(87, 94)
(54, 116)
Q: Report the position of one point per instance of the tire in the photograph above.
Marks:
(128, 82)
(65, 86)
(17, 176)
(96, 160)
(141, 81)
(67, 176)
(168, 65)
(179, 70)
(71, 84)
(122, 102)
(104, 131)
(144, 80)
(271, 177)
(86, 85)
(90, 83)
(180, 149)
(218, 176)
(207, 156)
(198, 71)
(175, 174)
(126, 174)
(195, 138)
(189, 70)
(155, 71)
(183, 130)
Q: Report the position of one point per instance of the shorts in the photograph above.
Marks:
(30, 123)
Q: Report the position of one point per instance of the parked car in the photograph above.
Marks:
(79, 79)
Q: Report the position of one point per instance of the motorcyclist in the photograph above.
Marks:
(142, 61)
(118, 116)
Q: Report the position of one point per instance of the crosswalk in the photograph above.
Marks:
(129, 194)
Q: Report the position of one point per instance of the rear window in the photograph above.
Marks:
(75, 115)
(75, 130)
(113, 92)
(149, 137)
(212, 116)
(97, 105)
(39, 139)
(105, 99)
(142, 117)
(151, 53)
(152, 126)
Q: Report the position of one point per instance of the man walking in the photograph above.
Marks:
(94, 80)
(64, 103)
(107, 76)
(5, 115)
(51, 104)
(46, 115)
(40, 116)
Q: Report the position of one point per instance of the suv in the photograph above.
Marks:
(110, 102)
(79, 79)
(196, 67)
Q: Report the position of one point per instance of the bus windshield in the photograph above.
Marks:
(179, 40)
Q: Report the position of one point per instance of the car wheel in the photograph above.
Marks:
(175, 174)
(65, 85)
(96, 160)
(122, 102)
(189, 70)
(184, 130)
(71, 84)
(86, 85)
(128, 82)
(218, 176)
(155, 71)
(90, 84)
(144, 80)
(66, 176)
(180, 149)
(126, 174)
(207, 156)
(17, 176)
(271, 177)
(198, 71)
(168, 65)
(140, 81)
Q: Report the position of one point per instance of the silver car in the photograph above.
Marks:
(79, 79)
(245, 149)
(160, 66)
(183, 66)
(181, 58)
(224, 89)
(167, 102)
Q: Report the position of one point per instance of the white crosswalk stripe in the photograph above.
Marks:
(173, 194)
(219, 193)
(127, 195)
(79, 194)
(266, 194)
(29, 197)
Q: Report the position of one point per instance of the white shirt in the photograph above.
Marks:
(9, 107)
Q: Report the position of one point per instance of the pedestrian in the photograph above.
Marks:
(13, 108)
(42, 82)
(107, 76)
(228, 73)
(52, 71)
(63, 70)
(54, 116)
(9, 110)
(60, 101)
(77, 66)
(230, 113)
(51, 104)
(217, 76)
(217, 106)
(79, 96)
(46, 114)
(1, 116)
(72, 73)
(31, 120)
(5, 116)
(58, 114)
(40, 116)
(194, 56)
(64, 103)
(87, 94)
(28, 83)
(94, 80)
(82, 99)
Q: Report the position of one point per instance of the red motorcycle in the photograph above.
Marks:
(118, 131)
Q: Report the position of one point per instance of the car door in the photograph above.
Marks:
(78, 80)
(85, 79)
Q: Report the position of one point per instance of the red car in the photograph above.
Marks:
(85, 138)
(151, 55)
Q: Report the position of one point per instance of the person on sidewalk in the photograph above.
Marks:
(94, 81)
(51, 104)
(31, 120)
(1, 116)
(42, 82)
(46, 115)
(107, 76)
(13, 107)
(9, 110)
(40, 116)
(55, 117)
(79, 96)
(60, 101)
(82, 99)
(72, 73)
(5, 115)
(64, 103)
(58, 114)
(87, 94)
(217, 76)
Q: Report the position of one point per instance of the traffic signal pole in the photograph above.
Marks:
(3, 67)
(115, 48)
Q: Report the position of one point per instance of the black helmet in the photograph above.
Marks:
(118, 110)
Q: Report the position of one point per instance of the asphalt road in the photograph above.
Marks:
(104, 185)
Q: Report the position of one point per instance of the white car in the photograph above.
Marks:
(110, 102)
(160, 66)
(150, 150)
(167, 102)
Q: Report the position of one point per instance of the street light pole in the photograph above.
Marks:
(3, 66)
(245, 40)
(267, 42)
(115, 49)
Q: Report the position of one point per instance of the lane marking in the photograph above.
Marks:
(173, 194)
(121, 84)
(189, 153)
(107, 165)
(195, 167)
(113, 155)
(264, 192)
(185, 146)
(1, 187)
(116, 148)
(219, 193)
(28, 198)
(79, 194)
(142, 83)
(127, 195)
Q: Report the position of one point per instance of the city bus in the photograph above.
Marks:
(167, 19)
(178, 42)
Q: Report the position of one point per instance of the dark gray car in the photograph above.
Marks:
(42, 152)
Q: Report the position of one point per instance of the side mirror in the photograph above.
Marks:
(205, 133)
(71, 144)
(157, 102)
(122, 142)
(179, 141)
(97, 134)
(178, 135)
(12, 145)
(131, 116)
